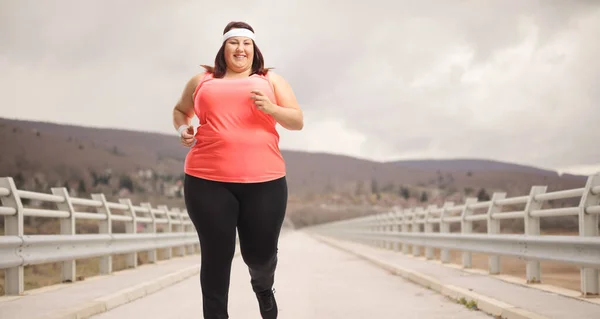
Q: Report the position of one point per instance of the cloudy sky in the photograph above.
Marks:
(505, 80)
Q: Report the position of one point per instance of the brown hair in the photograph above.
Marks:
(258, 62)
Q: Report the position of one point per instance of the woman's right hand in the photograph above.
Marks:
(187, 136)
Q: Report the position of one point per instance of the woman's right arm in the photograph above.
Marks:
(184, 109)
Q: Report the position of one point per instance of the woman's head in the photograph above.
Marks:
(239, 52)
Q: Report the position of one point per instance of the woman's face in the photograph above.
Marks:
(239, 53)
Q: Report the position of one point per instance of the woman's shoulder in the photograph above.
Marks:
(276, 79)
(273, 75)
(196, 79)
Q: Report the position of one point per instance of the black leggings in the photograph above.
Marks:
(257, 211)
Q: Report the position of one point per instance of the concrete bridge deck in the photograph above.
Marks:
(314, 280)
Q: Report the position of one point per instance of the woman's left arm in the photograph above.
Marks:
(287, 113)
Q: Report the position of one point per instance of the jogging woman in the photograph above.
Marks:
(235, 175)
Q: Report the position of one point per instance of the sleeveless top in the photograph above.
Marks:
(235, 142)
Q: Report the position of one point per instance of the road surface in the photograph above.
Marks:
(313, 281)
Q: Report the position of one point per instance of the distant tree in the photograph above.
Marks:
(19, 180)
(388, 188)
(482, 195)
(100, 179)
(469, 173)
(126, 182)
(115, 151)
(374, 186)
(424, 197)
(404, 192)
(94, 178)
(81, 187)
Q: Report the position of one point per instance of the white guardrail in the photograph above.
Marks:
(414, 228)
(18, 250)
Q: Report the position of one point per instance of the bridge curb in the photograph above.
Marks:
(124, 296)
(111, 301)
(486, 304)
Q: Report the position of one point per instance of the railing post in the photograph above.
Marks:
(67, 228)
(493, 228)
(168, 250)
(390, 228)
(533, 270)
(588, 227)
(180, 250)
(363, 227)
(189, 228)
(104, 227)
(445, 229)
(466, 227)
(152, 256)
(381, 228)
(130, 228)
(13, 226)
(397, 228)
(428, 228)
(375, 228)
(366, 226)
(416, 229)
(405, 229)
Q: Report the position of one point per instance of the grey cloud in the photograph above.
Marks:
(532, 118)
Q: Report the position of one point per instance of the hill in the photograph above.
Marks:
(45, 154)
(48, 146)
(472, 165)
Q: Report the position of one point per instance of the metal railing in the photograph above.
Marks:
(414, 228)
(18, 250)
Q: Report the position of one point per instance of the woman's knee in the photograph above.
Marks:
(264, 258)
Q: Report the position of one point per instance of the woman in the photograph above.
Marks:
(235, 175)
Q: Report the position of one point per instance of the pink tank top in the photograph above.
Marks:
(235, 142)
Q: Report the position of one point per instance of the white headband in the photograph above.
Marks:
(241, 32)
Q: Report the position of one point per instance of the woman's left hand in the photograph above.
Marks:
(262, 102)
